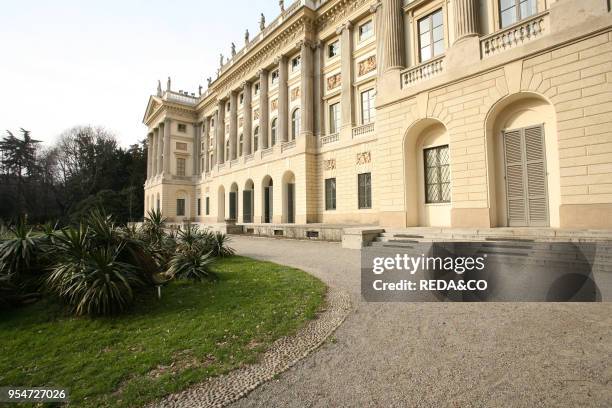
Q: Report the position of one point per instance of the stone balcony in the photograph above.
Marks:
(363, 130)
(422, 72)
(515, 35)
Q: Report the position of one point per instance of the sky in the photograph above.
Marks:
(65, 63)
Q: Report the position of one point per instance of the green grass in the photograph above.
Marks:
(195, 331)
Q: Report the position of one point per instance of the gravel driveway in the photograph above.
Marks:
(440, 354)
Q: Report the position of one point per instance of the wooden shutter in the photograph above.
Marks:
(537, 198)
(515, 180)
(247, 206)
(526, 183)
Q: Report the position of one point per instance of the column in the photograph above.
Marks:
(167, 128)
(393, 49)
(376, 9)
(197, 137)
(247, 114)
(160, 148)
(319, 80)
(283, 100)
(307, 85)
(465, 19)
(220, 128)
(346, 52)
(264, 115)
(151, 169)
(233, 125)
(206, 139)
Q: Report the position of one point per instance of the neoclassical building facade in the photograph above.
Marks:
(453, 113)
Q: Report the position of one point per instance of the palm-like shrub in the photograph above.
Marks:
(192, 265)
(18, 252)
(221, 246)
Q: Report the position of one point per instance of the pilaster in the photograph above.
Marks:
(233, 125)
(247, 114)
(283, 99)
(264, 113)
(167, 130)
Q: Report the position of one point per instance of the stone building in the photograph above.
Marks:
(460, 113)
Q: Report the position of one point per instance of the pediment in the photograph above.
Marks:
(152, 106)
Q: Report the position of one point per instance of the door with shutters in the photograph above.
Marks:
(526, 181)
(290, 203)
(247, 205)
(233, 198)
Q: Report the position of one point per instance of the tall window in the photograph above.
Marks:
(366, 31)
(513, 11)
(437, 175)
(368, 109)
(295, 124)
(273, 131)
(256, 139)
(240, 145)
(182, 128)
(180, 167)
(334, 118)
(180, 207)
(333, 49)
(295, 63)
(199, 207)
(330, 194)
(207, 205)
(364, 187)
(256, 92)
(431, 35)
(274, 77)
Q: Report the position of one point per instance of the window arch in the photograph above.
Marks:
(256, 139)
(240, 145)
(295, 124)
(273, 128)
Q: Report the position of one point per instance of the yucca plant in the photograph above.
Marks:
(18, 252)
(192, 265)
(221, 246)
(154, 226)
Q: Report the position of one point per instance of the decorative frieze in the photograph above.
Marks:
(274, 104)
(295, 93)
(240, 122)
(256, 114)
(329, 164)
(368, 65)
(364, 158)
(334, 81)
(181, 146)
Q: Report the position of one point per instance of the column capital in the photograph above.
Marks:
(346, 26)
(262, 71)
(167, 121)
(280, 59)
(375, 7)
(304, 43)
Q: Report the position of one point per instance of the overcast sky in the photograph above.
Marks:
(67, 62)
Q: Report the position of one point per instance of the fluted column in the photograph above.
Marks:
(393, 49)
(197, 147)
(376, 9)
(247, 114)
(160, 148)
(346, 105)
(319, 80)
(233, 125)
(206, 139)
(307, 85)
(466, 19)
(220, 128)
(151, 155)
(264, 109)
(283, 100)
(167, 128)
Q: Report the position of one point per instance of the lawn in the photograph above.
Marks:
(195, 331)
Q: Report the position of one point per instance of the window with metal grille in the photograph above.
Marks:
(513, 11)
(180, 207)
(437, 175)
(330, 194)
(364, 187)
(334, 118)
(431, 35)
(368, 110)
(180, 167)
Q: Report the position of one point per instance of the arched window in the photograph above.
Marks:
(227, 152)
(295, 124)
(256, 139)
(240, 145)
(273, 131)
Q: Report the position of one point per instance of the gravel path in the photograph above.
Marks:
(439, 354)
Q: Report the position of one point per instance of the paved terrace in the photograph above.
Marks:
(439, 354)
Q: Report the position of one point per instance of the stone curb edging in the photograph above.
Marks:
(283, 354)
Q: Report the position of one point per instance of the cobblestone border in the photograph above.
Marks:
(284, 353)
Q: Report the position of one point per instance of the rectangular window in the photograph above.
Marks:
(333, 49)
(241, 97)
(199, 207)
(366, 31)
(182, 128)
(368, 106)
(431, 36)
(364, 184)
(180, 207)
(437, 175)
(274, 77)
(257, 88)
(334, 118)
(295, 63)
(180, 167)
(513, 11)
(207, 205)
(330, 194)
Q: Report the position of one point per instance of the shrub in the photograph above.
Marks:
(18, 252)
(221, 245)
(192, 265)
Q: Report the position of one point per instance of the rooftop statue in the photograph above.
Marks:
(233, 49)
(262, 22)
(168, 84)
(246, 37)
